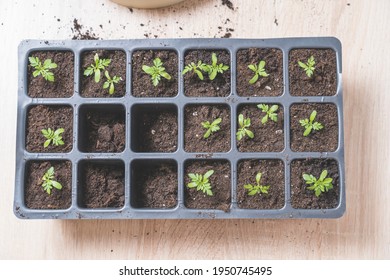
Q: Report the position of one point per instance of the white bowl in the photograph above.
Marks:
(146, 4)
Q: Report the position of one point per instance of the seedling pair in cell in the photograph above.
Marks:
(211, 70)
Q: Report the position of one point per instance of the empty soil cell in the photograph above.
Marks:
(218, 141)
(324, 140)
(324, 80)
(142, 85)
(101, 184)
(63, 85)
(36, 197)
(219, 87)
(272, 85)
(268, 137)
(102, 128)
(301, 197)
(117, 67)
(54, 117)
(272, 174)
(154, 184)
(220, 185)
(154, 128)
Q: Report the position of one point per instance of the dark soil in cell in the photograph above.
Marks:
(324, 140)
(44, 117)
(219, 87)
(271, 85)
(117, 67)
(154, 184)
(220, 185)
(268, 137)
(272, 175)
(101, 185)
(324, 80)
(63, 84)
(142, 83)
(34, 194)
(301, 197)
(218, 141)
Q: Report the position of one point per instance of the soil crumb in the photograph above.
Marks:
(229, 4)
(80, 34)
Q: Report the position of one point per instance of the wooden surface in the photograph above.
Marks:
(364, 231)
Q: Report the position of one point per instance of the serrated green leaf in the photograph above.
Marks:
(217, 121)
(248, 187)
(208, 174)
(323, 175)
(274, 108)
(252, 67)
(301, 64)
(192, 185)
(252, 192)
(200, 75)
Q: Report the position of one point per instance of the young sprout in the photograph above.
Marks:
(201, 182)
(48, 182)
(156, 72)
(243, 130)
(100, 64)
(215, 68)
(211, 127)
(308, 67)
(319, 186)
(43, 69)
(110, 82)
(257, 189)
(259, 71)
(269, 112)
(53, 137)
(196, 68)
(309, 125)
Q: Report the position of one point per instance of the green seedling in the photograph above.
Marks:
(156, 71)
(100, 64)
(211, 127)
(269, 112)
(243, 130)
(43, 69)
(215, 68)
(110, 82)
(259, 71)
(257, 189)
(308, 67)
(319, 186)
(309, 125)
(48, 181)
(53, 137)
(196, 69)
(201, 182)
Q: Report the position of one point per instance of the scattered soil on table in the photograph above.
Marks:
(324, 80)
(63, 84)
(34, 194)
(268, 137)
(220, 185)
(218, 141)
(103, 130)
(219, 87)
(117, 67)
(324, 140)
(43, 117)
(142, 83)
(80, 34)
(228, 4)
(271, 85)
(102, 185)
(154, 184)
(272, 174)
(301, 197)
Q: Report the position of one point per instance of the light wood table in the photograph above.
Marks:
(364, 231)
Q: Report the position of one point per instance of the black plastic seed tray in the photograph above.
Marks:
(131, 160)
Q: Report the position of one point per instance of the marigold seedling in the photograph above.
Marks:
(214, 68)
(43, 69)
(110, 82)
(269, 112)
(319, 186)
(211, 127)
(53, 137)
(257, 189)
(243, 130)
(201, 182)
(49, 182)
(259, 71)
(100, 64)
(308, 67)
(309, 125)
(196, 69)
(156, 71)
